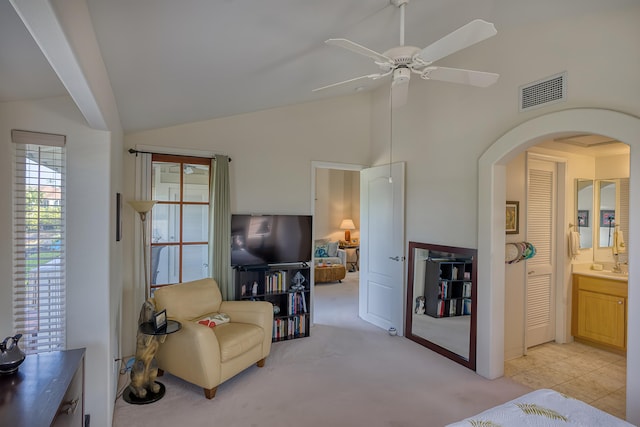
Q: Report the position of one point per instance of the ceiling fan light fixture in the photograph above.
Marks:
(401, 75)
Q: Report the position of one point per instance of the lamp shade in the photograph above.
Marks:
(142, 206)
(347, 224)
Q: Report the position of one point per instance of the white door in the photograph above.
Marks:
(541, 214)
(382, 246)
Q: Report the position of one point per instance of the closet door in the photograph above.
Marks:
(540, 282)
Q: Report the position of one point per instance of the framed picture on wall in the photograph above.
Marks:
(583, 218)
(512, 216)
(118, 217)
(607, 217)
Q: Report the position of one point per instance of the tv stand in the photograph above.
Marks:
(287, 287)
(252, 267)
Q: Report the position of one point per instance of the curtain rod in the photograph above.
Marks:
(136, 152)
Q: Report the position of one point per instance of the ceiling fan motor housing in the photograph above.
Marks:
(401, 75)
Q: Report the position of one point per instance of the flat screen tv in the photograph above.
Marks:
(270, 239)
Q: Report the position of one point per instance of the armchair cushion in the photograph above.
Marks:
(237, 338)
(189, 300)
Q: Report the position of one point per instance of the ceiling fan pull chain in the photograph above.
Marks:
(390, 132)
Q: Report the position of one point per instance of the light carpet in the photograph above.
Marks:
(347, 373)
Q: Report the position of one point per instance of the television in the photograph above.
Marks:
(270, 239)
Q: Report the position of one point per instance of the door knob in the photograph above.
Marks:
(394, 258)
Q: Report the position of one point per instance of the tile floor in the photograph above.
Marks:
(595, 376)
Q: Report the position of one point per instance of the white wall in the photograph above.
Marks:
(514, 307)
(444, 128)
(271, 154)
(337, 197)
(89, 241)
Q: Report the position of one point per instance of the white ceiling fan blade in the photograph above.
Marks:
(465, 36)
(370, 76)
(359, 49)
(399, 93)
(458, 75)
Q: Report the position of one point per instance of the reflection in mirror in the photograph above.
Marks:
(607, 212)
(584, 220)
(441, 300)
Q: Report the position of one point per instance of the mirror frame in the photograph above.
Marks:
(471, 361)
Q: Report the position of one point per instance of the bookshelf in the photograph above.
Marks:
(287, 287)
(448, 287)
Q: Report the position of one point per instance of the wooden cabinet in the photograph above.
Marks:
(599, 314)
(47, 390)
(287, 288)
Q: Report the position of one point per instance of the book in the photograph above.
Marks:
(452, 307)
(466, 290)
(466, 306)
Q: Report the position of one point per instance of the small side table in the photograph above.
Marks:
(355, 250)
(147, 328)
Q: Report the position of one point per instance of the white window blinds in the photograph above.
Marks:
(39, 240)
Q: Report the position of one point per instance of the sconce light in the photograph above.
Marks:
(347, 225)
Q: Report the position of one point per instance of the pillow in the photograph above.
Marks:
(321, 251)
(214, 320)
(332, 249)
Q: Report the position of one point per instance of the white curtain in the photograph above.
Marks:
(220, 227)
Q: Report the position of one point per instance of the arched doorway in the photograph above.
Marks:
(491, 238)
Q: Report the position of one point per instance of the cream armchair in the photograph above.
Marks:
(208, 356)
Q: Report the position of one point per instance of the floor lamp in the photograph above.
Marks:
(143, 387)
(143, 207)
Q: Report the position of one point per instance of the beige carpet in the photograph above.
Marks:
(347, 373)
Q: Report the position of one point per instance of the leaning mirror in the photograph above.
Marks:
(441, 300)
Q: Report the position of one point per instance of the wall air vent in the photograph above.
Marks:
(544, 92)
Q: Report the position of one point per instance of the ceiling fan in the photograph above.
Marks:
(400, 62)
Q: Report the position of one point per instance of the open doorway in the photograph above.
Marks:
(336, 204)
(491, 237)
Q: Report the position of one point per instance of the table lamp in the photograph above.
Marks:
(347, 225)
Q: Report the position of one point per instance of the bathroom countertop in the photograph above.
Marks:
(605, 274)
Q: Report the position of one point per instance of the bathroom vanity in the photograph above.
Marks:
(599, 314)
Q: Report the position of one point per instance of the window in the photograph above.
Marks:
(180, 219)
(39, 240)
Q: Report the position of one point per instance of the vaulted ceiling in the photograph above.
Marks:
(172, 62)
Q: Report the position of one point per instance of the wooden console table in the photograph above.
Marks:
(47, 390)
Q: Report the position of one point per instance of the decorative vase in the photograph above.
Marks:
(10, 355)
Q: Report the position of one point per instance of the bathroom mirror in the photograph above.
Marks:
(441, 300)
(606, 212)
(584, 214)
